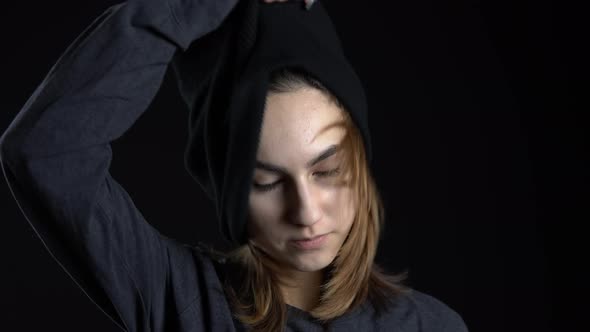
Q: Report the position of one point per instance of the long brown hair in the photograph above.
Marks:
(353, 277)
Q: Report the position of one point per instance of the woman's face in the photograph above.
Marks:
(304, 199)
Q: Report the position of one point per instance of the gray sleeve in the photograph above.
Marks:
(56, 153)
(454, 322)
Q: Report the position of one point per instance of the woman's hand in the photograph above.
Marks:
(308, 3)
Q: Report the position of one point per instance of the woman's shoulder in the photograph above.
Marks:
(218, 260)
(206, 251)
(418, 311)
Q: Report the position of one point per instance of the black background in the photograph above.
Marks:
(480, 155)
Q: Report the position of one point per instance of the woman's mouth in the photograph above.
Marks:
(309, 244)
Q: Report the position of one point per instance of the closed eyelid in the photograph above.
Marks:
(329, 173)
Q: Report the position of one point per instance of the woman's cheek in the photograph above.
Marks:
(344, 199)
(263, 221)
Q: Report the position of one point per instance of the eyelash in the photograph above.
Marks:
(269, 187)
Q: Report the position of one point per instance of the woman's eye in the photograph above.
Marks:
(271, 186)
(331, 172)
(266, 187)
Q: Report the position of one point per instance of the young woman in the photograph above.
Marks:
(313, 211)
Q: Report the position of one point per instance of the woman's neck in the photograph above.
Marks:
(303, 289)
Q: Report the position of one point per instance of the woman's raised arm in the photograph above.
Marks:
(56, 154)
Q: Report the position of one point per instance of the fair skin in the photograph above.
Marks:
(304, 202)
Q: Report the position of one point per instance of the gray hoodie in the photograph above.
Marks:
(56, 154)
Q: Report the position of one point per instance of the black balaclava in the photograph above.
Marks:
(223, 78)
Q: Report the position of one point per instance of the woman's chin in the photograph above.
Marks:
(311, 261)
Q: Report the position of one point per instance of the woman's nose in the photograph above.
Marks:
(305, 203)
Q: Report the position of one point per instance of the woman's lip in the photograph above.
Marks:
(312, 243)
(308, 239)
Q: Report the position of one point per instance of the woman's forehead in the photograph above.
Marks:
(300, 116)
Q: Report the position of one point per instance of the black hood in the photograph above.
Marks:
(223, 78)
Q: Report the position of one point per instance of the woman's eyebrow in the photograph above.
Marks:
(329, 151)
